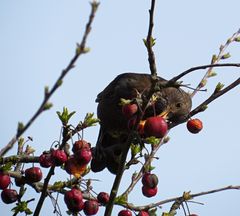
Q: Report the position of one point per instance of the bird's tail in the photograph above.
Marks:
(107, 152)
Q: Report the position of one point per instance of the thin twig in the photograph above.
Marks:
(215, 60)
(150, 41)
(202, 67)
(81, 49)
(153, 205)
(213, 97)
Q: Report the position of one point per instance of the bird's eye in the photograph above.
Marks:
(178, 105)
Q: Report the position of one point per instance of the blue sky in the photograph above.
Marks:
(38, 38)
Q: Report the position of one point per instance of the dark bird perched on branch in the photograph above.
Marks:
(170, 100)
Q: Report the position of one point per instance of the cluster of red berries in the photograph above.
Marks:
(75, 203)
(8, 195)
(152, 126)
(126, 212)
(155, 125)
(75, 164)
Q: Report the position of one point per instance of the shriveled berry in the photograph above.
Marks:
(91, 207)
(103, 198)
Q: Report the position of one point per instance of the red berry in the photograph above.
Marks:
(149, 180)
(59, 157)
(91, 207)
(9, 196)
(45, 160)
(83, 156)
(194, 125)
(149, 192)
(72, 167)
(193, 215)
(80, 144)
(129, 110)
(33, 174)
(74, 200)
(103, 198)
(143, 213)
(4, 180)
(156, 126)
(125, 212)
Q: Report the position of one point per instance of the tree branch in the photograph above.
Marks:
(201, 67)
(81, 49)
(149, 43)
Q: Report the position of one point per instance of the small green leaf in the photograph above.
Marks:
(65, 115)
(135, 148)
(152, 140)
(121, 200)
(89, 120)
(6, 167)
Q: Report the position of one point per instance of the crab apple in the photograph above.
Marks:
(128, 110)
(74, 200)
(9, 196)
(194, 125)
(72, 167)
(33, 174)
(149, 192)
(4, 180)
(156, 126)
(125, 212)
(103, 198)
(149, 180)
(143, 213)
(45, 160)
(83, 156)
(91, 207)
(80, 144)
(59, 157)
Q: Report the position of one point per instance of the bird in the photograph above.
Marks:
(114, 130)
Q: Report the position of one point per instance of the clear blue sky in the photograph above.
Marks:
(38, 38)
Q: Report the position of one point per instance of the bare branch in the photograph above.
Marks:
(202, 67)
(81, 49)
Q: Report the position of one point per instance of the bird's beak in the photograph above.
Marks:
(165, 113)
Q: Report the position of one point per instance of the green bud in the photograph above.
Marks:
(211, 74)
(218, 87)
(237, 39)
(214, 59)
(226, 56)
